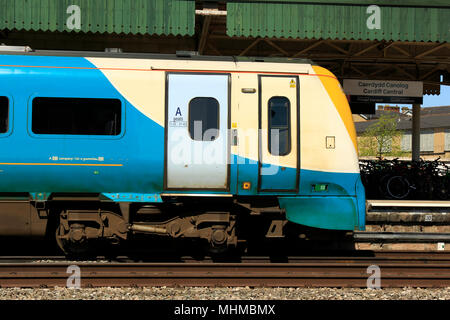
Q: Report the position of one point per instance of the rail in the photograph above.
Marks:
(396, 270)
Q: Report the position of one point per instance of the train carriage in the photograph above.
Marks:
(186, 146)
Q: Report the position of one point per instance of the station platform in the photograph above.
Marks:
(408, 203)
(408, 211)
(405, 225)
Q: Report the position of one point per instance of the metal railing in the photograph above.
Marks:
(402, 179)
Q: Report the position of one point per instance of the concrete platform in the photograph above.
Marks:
(408, 216)
(408, 204)
(402, 236)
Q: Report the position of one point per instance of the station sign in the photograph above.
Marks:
(384, 91)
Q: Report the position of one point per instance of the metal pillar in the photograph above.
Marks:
(416, 132)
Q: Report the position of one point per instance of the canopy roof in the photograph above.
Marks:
(340, 19)
(162, 17)
(413, 42)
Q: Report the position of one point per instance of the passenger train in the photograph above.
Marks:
(101, 146)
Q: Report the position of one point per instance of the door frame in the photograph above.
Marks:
(166, 128)
(297, 179)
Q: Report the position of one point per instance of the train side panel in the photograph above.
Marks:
(41, 163)
(325, 188)
(331, 193)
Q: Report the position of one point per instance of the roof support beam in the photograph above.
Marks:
(429, 73)
(375, 45)
(330, 44)
(214, 49)
(318, 43)
(359, 71)
(404, 72)
(380, 70)
(401, 51)
(254, 43)
(443, 45)
(204, 34)
(277, 47)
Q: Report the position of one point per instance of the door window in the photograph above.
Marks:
(279, 126)
(204, 119)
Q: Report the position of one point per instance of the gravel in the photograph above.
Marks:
(235, 293)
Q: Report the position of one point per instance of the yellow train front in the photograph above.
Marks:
(106, 145)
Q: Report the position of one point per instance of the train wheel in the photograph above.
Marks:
(72, 243)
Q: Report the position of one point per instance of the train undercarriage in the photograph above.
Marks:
(89, 226)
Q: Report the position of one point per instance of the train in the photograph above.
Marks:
(99, 146)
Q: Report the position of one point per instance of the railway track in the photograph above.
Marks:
(401, 269)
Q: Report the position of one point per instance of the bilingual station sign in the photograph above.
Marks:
(384, 91)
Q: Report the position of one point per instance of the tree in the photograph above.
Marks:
(380, 137)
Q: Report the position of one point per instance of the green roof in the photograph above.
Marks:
(162, 17)
(411, 20)
(397, 3)
(407, 20)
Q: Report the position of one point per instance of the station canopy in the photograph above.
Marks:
(160, 17)
(367, 39)
(340, 20)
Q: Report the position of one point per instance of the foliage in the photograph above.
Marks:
(382, 137)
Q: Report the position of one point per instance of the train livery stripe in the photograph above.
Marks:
(339, 99)
(63, 164)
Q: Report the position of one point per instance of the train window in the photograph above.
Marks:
(76, 116)
(204, 119)
(4, 114)
(279, 126)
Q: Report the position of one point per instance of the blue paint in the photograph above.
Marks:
(330, 212)
(134, 197)
(278, 178)
(247, 171)
(139, 151)
(339, 184)
(361, 202)
(39, 196)
(340, 207)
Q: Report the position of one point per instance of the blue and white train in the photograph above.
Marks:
(110, 144)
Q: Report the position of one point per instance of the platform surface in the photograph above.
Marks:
(408, 203)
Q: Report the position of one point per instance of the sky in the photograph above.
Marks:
(431, 100)
(441, 100)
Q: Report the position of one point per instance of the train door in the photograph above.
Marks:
(279, 133)
(197, 117)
